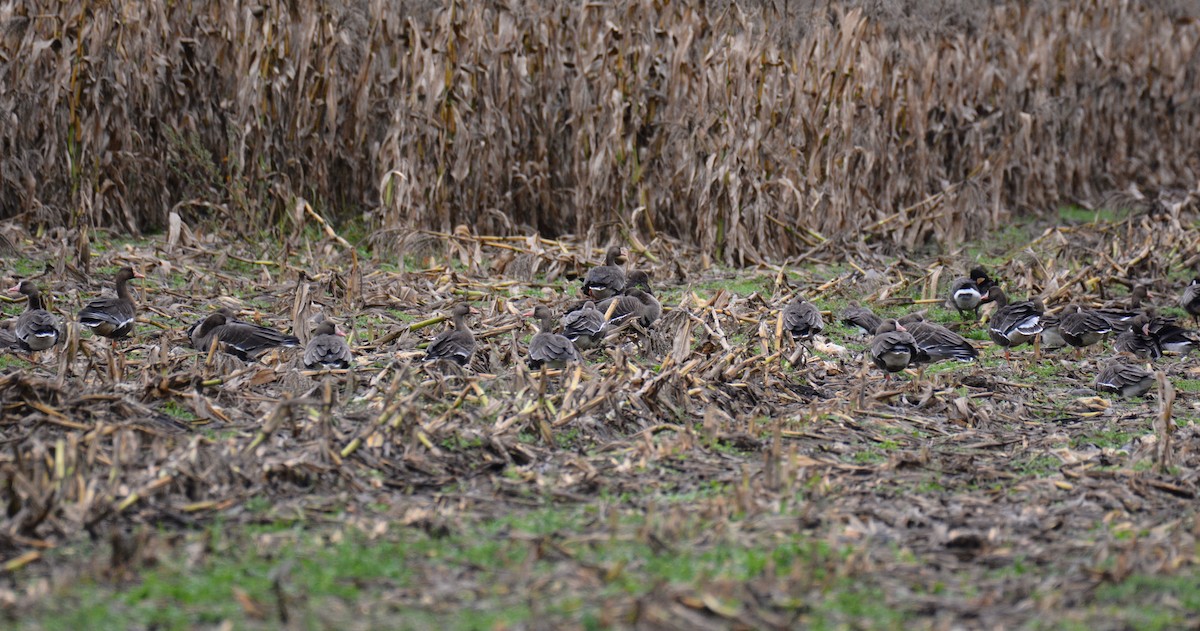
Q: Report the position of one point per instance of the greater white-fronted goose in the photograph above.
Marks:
(35, 329)
(936, 342)
(967, 293)
(457, 344)
(1013, 324)
(1126, 379)
(1170, 336)
(1138, 341)
(245, 340)
(651, 307)
(112, 317)
(1121, 318)
(1082, 327)
(605, 281)
(862, 318)
(802, 319)
(633, 305)
(548, 348)
(584, 327)
(327, 348)
(893, 348)
(1051, 333)
(1190, 299)
(638, 279)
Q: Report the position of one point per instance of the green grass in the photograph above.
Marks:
(1077, 215)
(177, 410)
(327, 577)
(1149, 602)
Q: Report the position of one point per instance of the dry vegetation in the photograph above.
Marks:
(687, 477)
(749, 141)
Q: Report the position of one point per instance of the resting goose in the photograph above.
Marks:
(584, 327)
(457, 344)
(1013, 324)
(802, 319)
(327, 348)
(893, 348)
(936, 342)
(547, 348)
(244, 340)
(112, 317)
(35, 329)
(606, 280)
(1125, 379)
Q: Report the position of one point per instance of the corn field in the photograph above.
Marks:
(749, 132)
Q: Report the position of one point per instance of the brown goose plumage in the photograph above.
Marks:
(547, 348)
(1082, 327)
(1013, 324)
(862, 318)
(35, 329)
(112, 317)
(1125, 379)
(584, 327)
(1190, 299)
(633, 305)
(327, 348)
(936, 342)
(244, 340)
(893, 348)
(457, 344)
(802, 319)
(1138, 340)
(606, 280)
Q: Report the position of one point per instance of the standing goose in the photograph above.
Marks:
(244, 340)
(1125, 379)
(327, 348)
(35, 329)
(1013, 324)
(893, 348)
(802, 319)
(606, 280)
(936, 341)
(584, 327)
(967, 293)
(1138, 340)
(862, 318)
(548, 348)
(1190, 299)
(1082, 327)
(112, 317)
(457, 344)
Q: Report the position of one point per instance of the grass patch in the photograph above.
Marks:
(250, 573)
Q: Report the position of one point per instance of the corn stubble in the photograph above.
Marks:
(678, 119)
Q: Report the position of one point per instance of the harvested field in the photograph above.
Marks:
(689, 476)
(381, 162)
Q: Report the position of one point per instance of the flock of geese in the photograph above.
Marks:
(613, 299)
